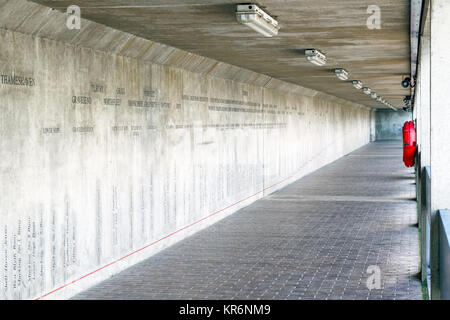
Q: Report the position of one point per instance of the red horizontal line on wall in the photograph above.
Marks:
(165, 237)
(189, 225)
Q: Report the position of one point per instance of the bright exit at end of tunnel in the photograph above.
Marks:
(224, 159)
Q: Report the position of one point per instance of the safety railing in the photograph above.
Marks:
(435, 242)
(444, 254)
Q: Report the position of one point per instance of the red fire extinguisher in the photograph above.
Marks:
(409, 143)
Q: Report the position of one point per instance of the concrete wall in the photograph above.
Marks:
(389, 124)
(107, 159)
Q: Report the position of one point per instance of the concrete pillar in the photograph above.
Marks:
(440, 129)
(417, 121)
(422, 99)
(418, 106)
(425, 100)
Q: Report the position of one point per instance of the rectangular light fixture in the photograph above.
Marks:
(254, 17)
(341, 74)
(379, 99)
(316, 57)
(357, 84)
(366, 90)
(373, 95)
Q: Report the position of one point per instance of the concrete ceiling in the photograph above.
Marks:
(378, 57)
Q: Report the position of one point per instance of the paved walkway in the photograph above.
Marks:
(313, 239)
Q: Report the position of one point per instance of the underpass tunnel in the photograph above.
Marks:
(162, 149)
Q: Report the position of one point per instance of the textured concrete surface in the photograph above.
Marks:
(389, 124)
(439, 119)
(314, 239)
(104, 154)
(439, 106)
(378, 57)
(444, 254)
(30, 18)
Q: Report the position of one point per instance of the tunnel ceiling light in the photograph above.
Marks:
(341, 74)
(373, 95)
(357, 84)
(367, 90)
(254, 17)
(316, 57)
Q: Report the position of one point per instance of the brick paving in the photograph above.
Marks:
(314, 239)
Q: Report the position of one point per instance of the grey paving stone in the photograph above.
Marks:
(314, 239)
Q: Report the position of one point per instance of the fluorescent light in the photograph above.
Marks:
(316, 57)
(366, 90)
(373, 95)
(254, 17)
(357, 84)
(379, 99)
(341, 74)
